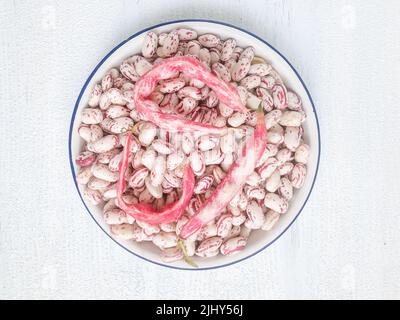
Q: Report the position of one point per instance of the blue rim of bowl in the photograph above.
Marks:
(121, 44)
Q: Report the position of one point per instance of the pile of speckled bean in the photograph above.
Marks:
(157, 157)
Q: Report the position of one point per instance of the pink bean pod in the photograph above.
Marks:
(191, 67)
(146, 213)
(233, 181)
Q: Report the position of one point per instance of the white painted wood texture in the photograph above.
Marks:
(344, 245)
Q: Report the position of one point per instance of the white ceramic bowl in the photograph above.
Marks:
(259, 239)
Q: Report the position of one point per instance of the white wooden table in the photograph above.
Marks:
(344, 245)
